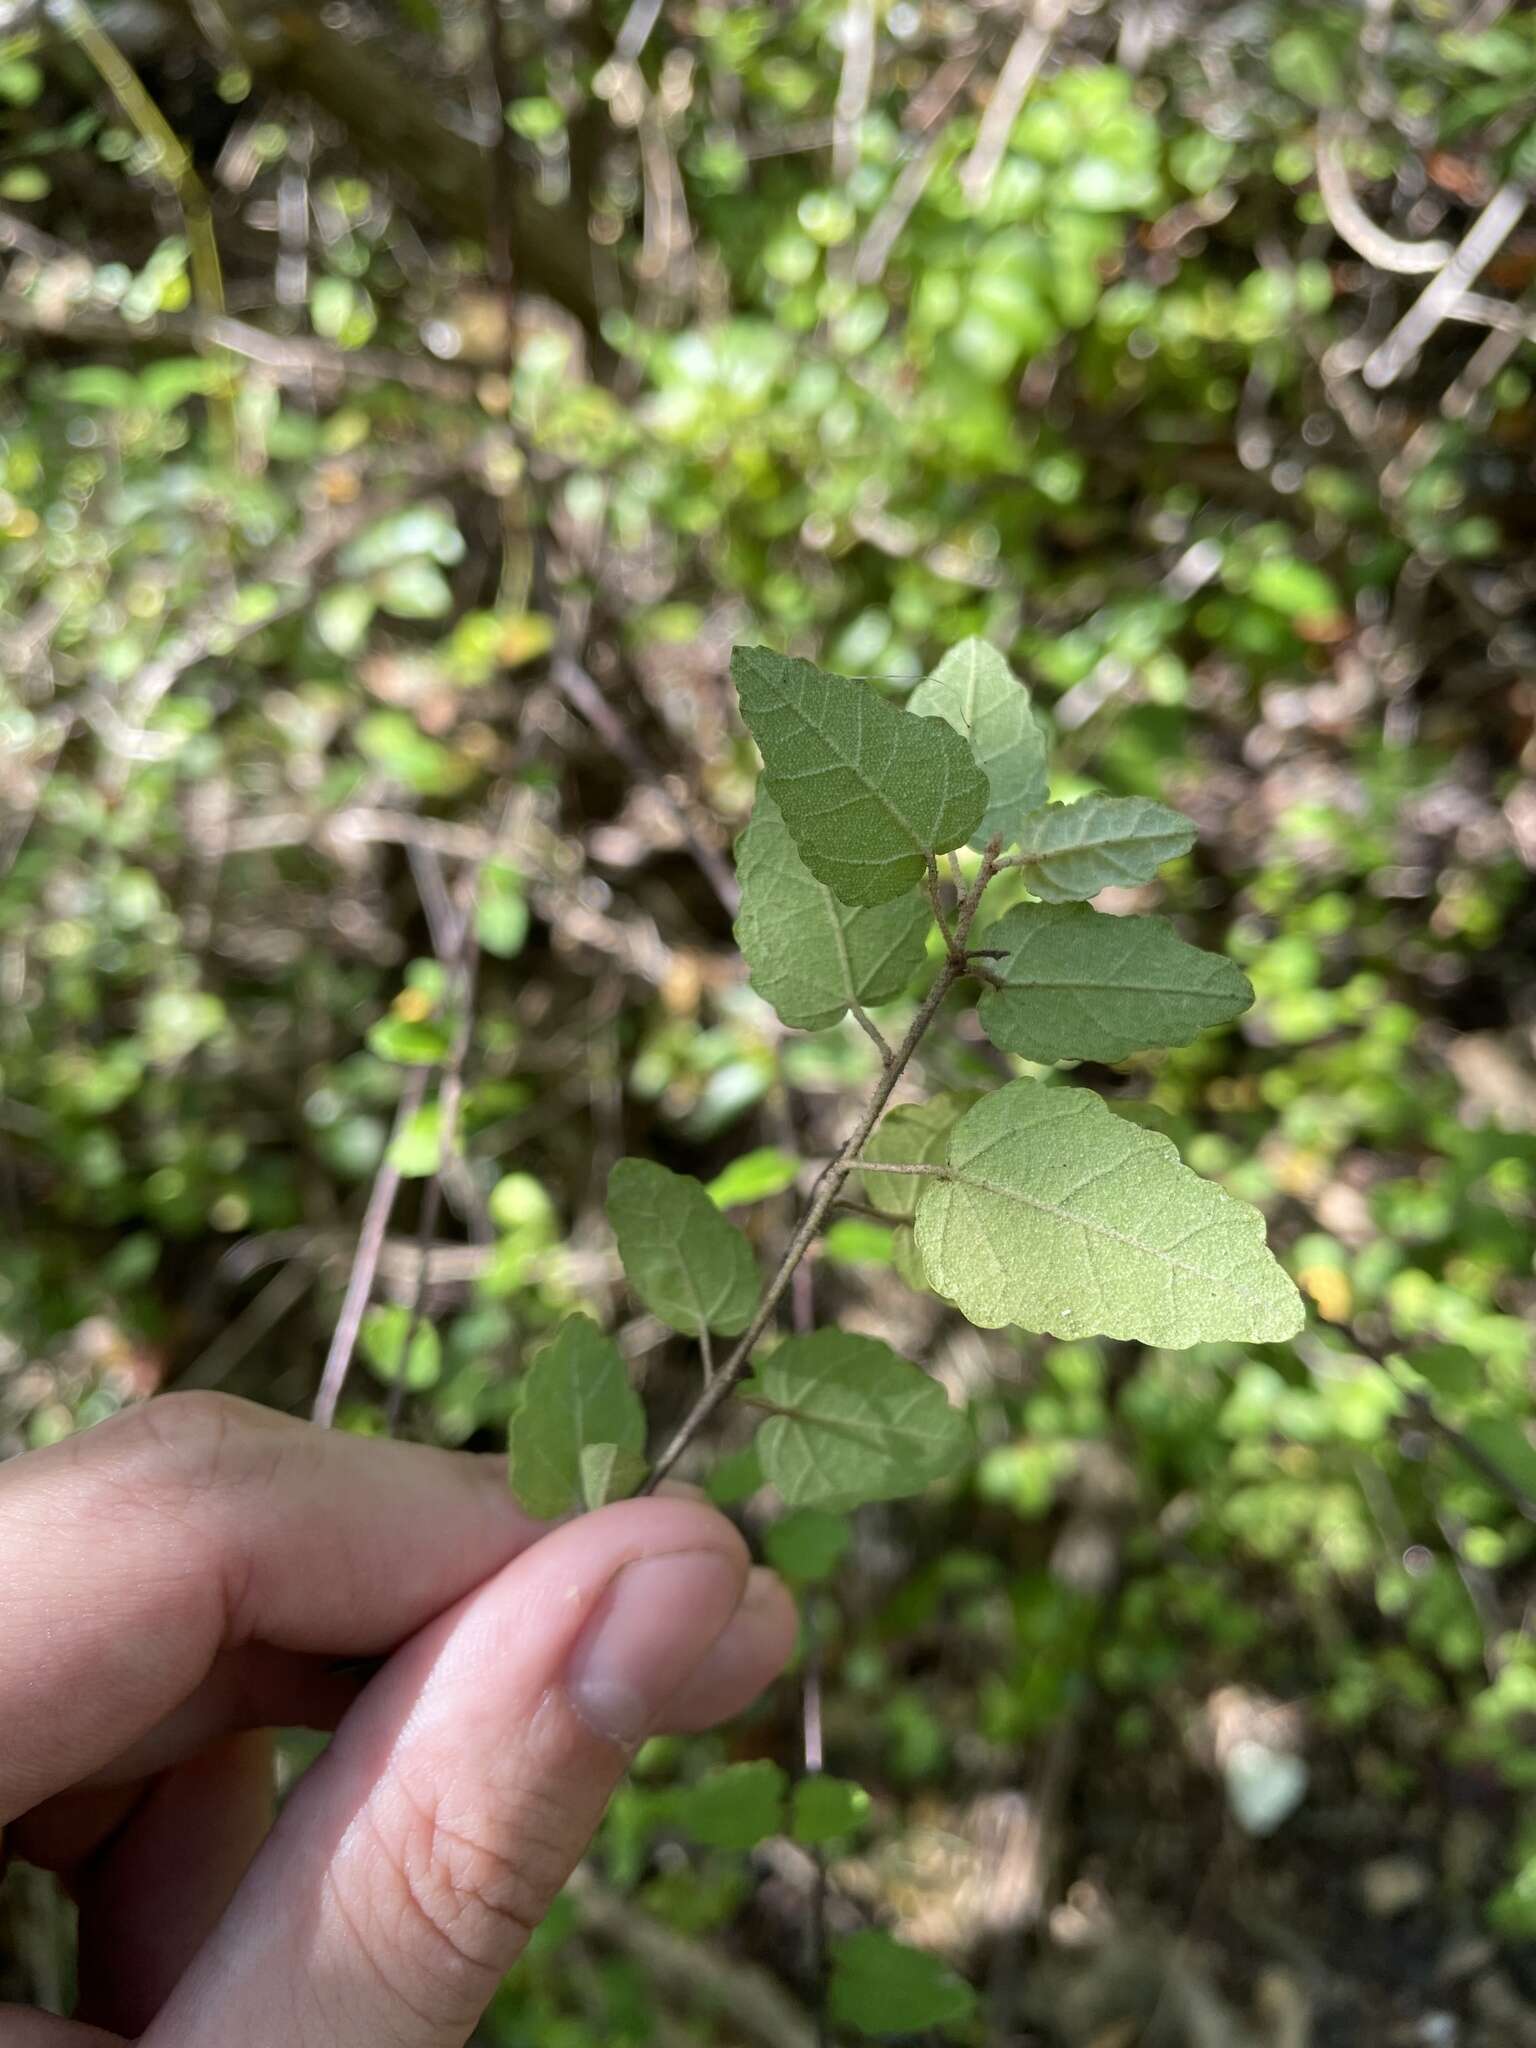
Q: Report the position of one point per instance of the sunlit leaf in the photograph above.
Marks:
(732, 1808)
(383, 1339)
(974, 690)
(1062, 1217)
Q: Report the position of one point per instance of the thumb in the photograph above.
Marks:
(410, 1866)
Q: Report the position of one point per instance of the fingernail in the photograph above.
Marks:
(656, 1623)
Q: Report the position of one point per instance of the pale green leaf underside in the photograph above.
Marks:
(577, 1405)
(688, 1265)
(855, 1423)
(810, 956)
(1070, 852)
(867, 791)
(974, 690)
(913, 1133)
(1078, 985)
(1062, 1217)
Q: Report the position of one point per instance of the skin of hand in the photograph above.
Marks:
(193, 1573)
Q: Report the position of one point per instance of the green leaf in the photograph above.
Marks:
(1078, 985)
(409, 1041)
(686, 1263)
(417, 1151)
(912, 1133)
(974, 690)
(501, 911)
(1070, 852)
(824, 1808)
(577, 1407)
(880, 1986)
(608, 1472)
(851, 1422)
(867, 791)
(382, 1340)
(754, 1177)
(732, 1808)
(1062, 1217)
(809, 955)
(807, 1545)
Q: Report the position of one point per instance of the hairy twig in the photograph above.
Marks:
(829, 1185)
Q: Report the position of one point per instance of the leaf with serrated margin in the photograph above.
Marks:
(809, 955)
(1069, 852)
(684, 1260)
(852, 1422)
(974, 690)
(868, 792)
(577, 1406)
(1078, 985)
(1059, 1216)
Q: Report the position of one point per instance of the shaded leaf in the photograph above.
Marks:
(851, 1422)
(1070, 852)
(732, 1808)
(880, 1986)
(684, 1260)
(824, 1808)
(807, 1545)
(1078, 985)
(866, 790)
(809, 955)
(912, 1133)
(974, 690)
(1062, 1217)
(576, 1400)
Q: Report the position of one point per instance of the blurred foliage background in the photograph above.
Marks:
(403, 405)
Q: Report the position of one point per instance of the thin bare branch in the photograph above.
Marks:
(1021, 67)
(1486, 236)
(829, 1185)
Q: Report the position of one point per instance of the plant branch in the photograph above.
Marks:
(829, 1185)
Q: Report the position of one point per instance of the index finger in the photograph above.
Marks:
(139, 1550)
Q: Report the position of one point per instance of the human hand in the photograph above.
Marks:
(197, 1571)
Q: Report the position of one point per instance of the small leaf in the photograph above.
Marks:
(732, 1808)
(974, 690)
(855, 1241)
(736, 1478)
(809, 955)
(1070, 852)
(409, 1041)
(880, 1986)
(609, 1473)
(342, 616)
(576, 1399)
(417, 1151)
(867, 792)
(1062, 1217)
(824, 1808)
(1078, 985)
(754, 1177)
(501, 911)
(807, 1545)
(383, 1337)
(851, 1422)
(686, 1263)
